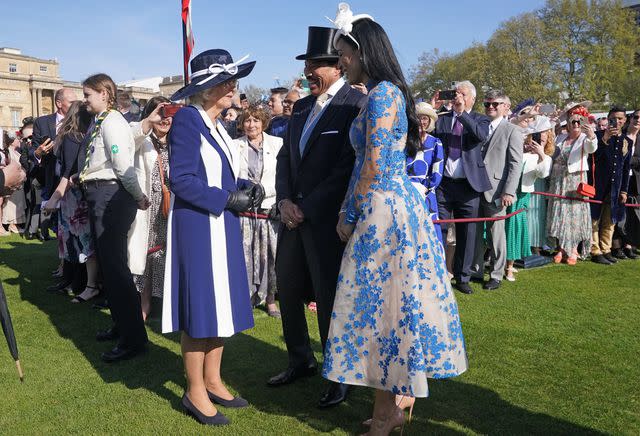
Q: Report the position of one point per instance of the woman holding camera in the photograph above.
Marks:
(569, 222)
(206, 295)
(147, 238)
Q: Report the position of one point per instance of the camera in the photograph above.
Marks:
(169, 110)
(448, 94)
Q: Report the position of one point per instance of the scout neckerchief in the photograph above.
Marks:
(94, 133)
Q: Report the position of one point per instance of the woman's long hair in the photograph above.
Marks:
(379, 62)
(75, 123)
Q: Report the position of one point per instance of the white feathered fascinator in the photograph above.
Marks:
(344, 22)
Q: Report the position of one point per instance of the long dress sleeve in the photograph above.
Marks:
(437, 165)
(184, 158)
(376, 168)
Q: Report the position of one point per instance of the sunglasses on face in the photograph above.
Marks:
(574, 122)
(494, 104)
(636, 117)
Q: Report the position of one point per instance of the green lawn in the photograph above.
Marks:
(554, 353)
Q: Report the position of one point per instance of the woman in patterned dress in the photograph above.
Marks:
(536, 165)
(395, 319)
(149, 230)
(569, 222)
(425, 168)
(75, 240)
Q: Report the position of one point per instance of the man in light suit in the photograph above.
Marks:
(503, 161)
(312, 175)
(462, 132)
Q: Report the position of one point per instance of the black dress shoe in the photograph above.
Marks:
(599, 258)
(476, 279)
(119, 352)
(464, 288)
(236, 402)
(217, 419)
(618, 254)
(290, 374)
(491, 285)
(107, 335)
(610, 258)
(630, 254)
(60, 287)
(336, 394)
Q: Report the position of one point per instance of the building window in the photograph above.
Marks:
(13, 68)
(16, 117)
(43, 68)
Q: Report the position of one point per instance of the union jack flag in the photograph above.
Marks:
(188, 42)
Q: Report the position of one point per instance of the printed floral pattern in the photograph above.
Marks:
(395, 320)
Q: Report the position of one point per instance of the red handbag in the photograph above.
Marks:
(584, 188)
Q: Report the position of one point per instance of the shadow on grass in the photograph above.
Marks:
(249, 362)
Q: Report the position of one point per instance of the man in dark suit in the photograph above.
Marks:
(463, 134)
(46, 127)
(124, 106)
(313, 171)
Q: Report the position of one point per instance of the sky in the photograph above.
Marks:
(136, 39)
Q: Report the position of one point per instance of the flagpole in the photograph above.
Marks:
(185, 64)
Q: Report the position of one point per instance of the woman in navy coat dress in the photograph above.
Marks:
(206, 294)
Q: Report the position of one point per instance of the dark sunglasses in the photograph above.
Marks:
(495, 104)
(636, 117)
(573, 122)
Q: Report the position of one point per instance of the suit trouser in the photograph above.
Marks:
(497, 240)
(112, 211)
(602, 231)
(457, 199)
(300, 277)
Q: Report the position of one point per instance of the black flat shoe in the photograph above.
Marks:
(217, 419)
(464, 288)
(618, 254)
(630, 254)
(600, 259)
(236, 402)
(119, 353)
(107, 335)
(610, 258)
(80, 299)
(59, 288)
(335, 395)
(290, 375)
(491, 285)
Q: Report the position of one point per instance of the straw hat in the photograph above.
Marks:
(571, 106)
(423, 108)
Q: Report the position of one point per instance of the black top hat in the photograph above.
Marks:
(211, 68)
(320, 44)
(279, 90)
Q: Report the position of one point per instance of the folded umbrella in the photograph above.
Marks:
(7, 328)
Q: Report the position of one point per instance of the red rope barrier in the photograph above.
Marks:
(154, 249)
(584, 200)
(259, 216)
(479, 220)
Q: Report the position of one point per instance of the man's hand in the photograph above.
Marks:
(144, 203)
(458, 103)
(14, 175)
(291, 214)
(507, 200)
(344, 229)
(623, 198)
(44, 148)
(360, 87)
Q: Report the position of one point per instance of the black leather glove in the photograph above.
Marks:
(240, 201)
(274, 213)
(257, 191)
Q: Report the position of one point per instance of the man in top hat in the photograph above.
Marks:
(314, 165)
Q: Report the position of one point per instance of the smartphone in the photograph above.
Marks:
(584, 122)
(44, 139)
(448, 94)
(170, 110)
(536, 137)
(547, 108)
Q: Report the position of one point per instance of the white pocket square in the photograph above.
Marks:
(329, 132)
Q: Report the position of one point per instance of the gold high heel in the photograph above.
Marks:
(383, 427)
(404, 402)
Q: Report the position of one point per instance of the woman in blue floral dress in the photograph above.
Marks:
(395, 320)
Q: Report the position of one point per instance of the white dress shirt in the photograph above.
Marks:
(453, 168)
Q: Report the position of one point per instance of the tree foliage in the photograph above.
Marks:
(567, 50)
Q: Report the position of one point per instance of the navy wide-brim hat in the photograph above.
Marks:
(211, 68)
